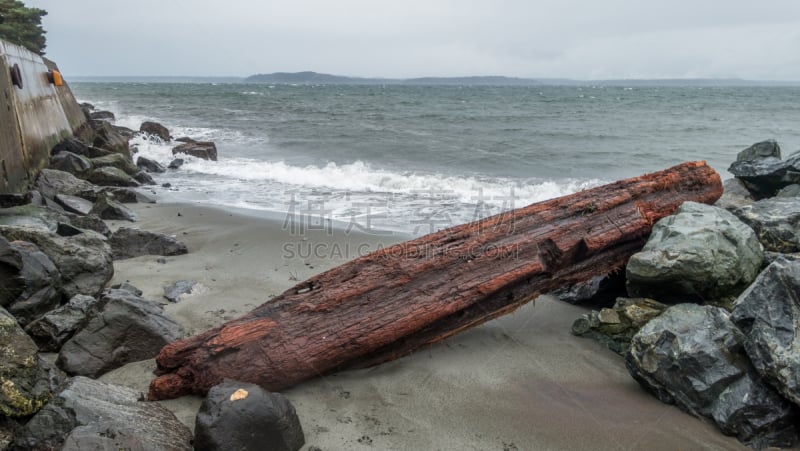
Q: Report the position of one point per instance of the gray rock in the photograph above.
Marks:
(692, 356)
(244, 416)
(108, 137)
(155, 129)
(764, 177)
(126, 329)
(74, 204)
(149, 165)
(31, 281)
(735, 195)
(173, 292)
(93, 415)
(176, 163)
(118, 161)
(111, 176)
(90, 222)
(24, 378)
(770, 257)
(789, 191)
(83, 260)
(702, 253)
(776, 223)
(125, 286)
(52, 330)
(616, 326)
(70, 162)
(128, 243)
(51, 182)
(128, 195)
(106, 208)
(185, 139)
(760, 150)
(33, 216)
(201, 149)
(144, 178)
(768, 314)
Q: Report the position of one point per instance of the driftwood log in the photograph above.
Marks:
(399, 299)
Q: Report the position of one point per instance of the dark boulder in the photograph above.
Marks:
(155, 129)
(8, 430)
(126, 329)
(243, 416)
(93, 415)
(106, 208)
(776, 222)
(128, 243)
(149, 165)
(116, 160)
(598, 291)
(701, 253)
(103, 115)
(176, 163)
(24, 377)
(109, 138)
(768, 314)
(616, 326)
(693, 356)
(735, 195)
(201, 149)
(15, 199)
(31, 282)
(765, 176)
(70, 162)
(185, 139)
(70, 144)
(52, 330)
(84, 260)
(51, 182)
(144, 178)
(74, 204)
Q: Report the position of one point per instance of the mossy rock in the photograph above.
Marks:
(24, 384)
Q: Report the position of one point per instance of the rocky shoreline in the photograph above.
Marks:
(733, 341)
(712, 323)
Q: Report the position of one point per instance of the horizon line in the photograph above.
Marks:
(510, 77)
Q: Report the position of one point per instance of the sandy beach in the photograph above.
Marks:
(521, 382)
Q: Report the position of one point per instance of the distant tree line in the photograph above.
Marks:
(22, 25)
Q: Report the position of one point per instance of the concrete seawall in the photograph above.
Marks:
(33, 117)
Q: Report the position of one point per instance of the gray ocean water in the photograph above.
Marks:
(420, 158)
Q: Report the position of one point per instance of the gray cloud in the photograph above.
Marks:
(580, 39)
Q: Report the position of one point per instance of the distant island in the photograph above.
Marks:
(312, 78)
(316, 78)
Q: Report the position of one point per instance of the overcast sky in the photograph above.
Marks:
(580, 39)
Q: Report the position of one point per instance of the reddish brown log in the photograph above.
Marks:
(394, 301)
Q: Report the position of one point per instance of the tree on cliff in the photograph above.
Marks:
(22, 25)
